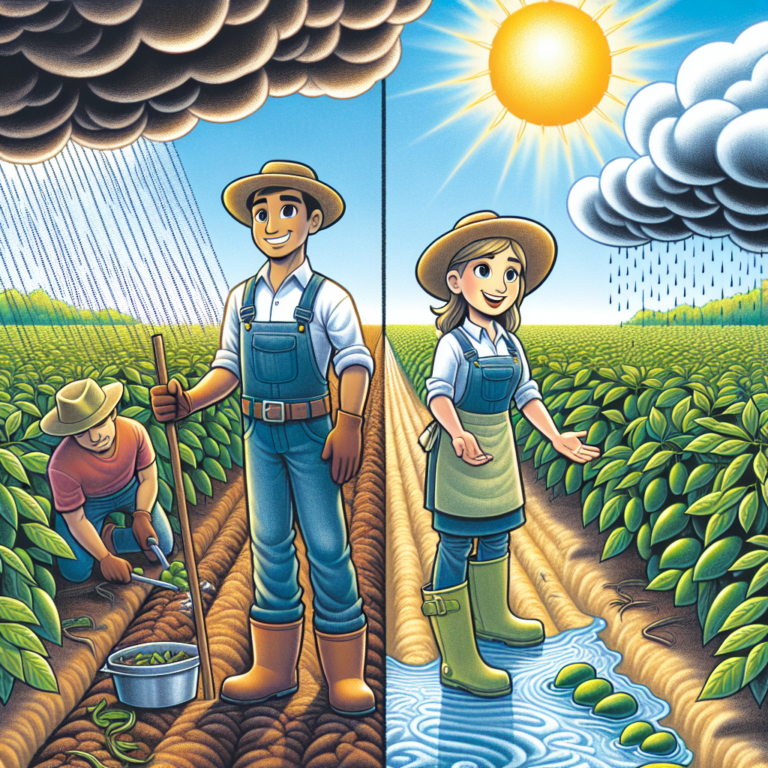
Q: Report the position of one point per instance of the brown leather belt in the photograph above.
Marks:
(276, 411)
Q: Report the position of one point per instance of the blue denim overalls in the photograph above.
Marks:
(284, 471)
(96, 511)
(477, 501)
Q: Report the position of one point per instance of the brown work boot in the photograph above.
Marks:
(273, 672)
(343, 660)
(106, 537)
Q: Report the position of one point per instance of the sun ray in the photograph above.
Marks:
(590, 141)
(521, 131)
(503, 7)
(599, 15)
(466, 157)
(444, 84)
(608, 119)
(650, 44)
(633, 80)
(497, 120)
(568, 157)
(512, 152)
(561, 131)
(633, 17)
(458, 35)
(616, 99)
(457, 115)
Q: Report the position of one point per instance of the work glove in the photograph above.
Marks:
(142, 530)
(170, 402)
(343, 446)
(115, 569)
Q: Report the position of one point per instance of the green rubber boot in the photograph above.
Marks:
(461, 665)
(489, 588)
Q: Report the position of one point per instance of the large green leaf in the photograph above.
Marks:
(592, 506)
(700, 476)
(759, 580)
(669, 523)
(617, 542)
(38, 672)
(189, 489)
(670, 397)
(189, 438)
(14, 610)
(731, 448)
(612, 511)
(159, 441)
(682, 553)
(705, 443)
(22, 637)
(6, 685)
(750, 560)
(745, 613)
(686, 592)
(614, 469)
(748, 510)
(8, 509)
(756, 662)
(10, 659)
(28, 506)
(666, 580)
(722, 427)
(657, 424)
(217, 432)
(216, 471)
(725, 680)
(556, 472)
(644, 541)
(12, 424)
(760, 466)
(706, 505)
(202, 482)
(735, 470)
(655, 494)
(12, 560)
(727, 599)
(48, 540)
(48, 616)
(750, 418)
(717, 559)
(11, 464)
(633, 515)
(187, 456)
(744, 637)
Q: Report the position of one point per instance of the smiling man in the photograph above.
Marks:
(280, 330)
(105, 464)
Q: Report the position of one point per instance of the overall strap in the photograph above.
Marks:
(248, 309)
(470, 353)
(304, 312)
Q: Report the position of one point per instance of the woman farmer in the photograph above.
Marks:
(482, 269)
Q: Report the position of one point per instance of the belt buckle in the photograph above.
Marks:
(266, 405)
(439, 605)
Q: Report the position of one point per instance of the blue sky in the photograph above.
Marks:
(341, 140)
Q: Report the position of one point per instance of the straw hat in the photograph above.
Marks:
(81, 405)
(282, 173)
(537, 243)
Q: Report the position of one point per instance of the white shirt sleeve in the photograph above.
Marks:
(228, 355)
(342, 326)
(445, 368)
(527, 388)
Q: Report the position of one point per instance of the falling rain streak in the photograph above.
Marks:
(106, 231)
(677, 291)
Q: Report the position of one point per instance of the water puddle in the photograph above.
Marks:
(538, 726)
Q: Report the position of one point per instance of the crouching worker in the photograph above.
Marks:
(104, 464)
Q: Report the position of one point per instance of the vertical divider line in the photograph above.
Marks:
(382, 372)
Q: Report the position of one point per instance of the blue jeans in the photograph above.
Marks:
(96, 511)
(450, 567)
(285, 474)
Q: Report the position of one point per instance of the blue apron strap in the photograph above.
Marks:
(248, 309)
(470, 353)
(304, 313)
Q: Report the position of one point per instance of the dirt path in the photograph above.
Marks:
(300, 730)
(556, 576)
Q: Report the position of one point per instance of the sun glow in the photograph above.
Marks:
(548, 64)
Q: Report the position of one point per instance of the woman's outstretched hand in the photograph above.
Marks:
(572, 448)
(467, 448)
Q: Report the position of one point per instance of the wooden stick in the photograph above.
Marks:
(186, 532)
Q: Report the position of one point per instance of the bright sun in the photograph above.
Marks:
(550, 64)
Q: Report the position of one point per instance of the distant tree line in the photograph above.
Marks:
(38, 308)
(742, 309)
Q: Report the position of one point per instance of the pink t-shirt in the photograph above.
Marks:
(76, 474)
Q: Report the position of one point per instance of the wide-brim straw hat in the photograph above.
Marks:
(537, 242)
(282, 173)
(81, 405)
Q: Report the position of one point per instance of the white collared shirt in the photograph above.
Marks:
(335, 324)
(450, 369)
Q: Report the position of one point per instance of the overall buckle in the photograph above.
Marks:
(266, 408)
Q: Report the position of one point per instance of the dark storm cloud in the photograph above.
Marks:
(105, 72)
(703, 155)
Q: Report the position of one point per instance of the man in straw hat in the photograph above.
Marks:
(280, 330)
(104, 464)
(482, 269)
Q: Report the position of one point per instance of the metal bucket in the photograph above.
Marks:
(163, 685)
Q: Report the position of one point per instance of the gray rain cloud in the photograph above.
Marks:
(702, 143)
(105, 72)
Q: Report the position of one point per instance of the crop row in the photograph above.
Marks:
(34, 364)
(681, 417)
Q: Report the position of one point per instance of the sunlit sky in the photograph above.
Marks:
(342, 141)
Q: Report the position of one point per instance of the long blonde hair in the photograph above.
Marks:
(452, 314)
